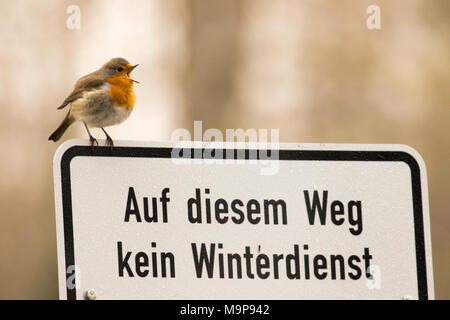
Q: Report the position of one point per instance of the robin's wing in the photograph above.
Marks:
(84, 84)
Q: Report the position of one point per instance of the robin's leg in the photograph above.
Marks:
(94, 142)
(109, 141)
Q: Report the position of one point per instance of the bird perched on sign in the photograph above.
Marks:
(100, 99)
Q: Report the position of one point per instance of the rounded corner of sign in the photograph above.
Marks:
(414, 158)
(63, 148)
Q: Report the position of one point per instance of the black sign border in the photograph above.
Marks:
(284, 155)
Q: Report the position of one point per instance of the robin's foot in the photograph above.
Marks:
(94, 142)
(109, 141)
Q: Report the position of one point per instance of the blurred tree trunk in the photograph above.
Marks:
(212, 36)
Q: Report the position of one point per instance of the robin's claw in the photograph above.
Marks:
(94, 142)
(109, 142)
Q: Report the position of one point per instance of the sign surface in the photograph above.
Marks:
(328, 221)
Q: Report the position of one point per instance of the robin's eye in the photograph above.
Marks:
(120, 69)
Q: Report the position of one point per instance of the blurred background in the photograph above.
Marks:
(310, 68)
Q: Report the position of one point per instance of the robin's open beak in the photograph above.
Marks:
(131, 69)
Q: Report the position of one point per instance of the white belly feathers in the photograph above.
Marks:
(96, 109)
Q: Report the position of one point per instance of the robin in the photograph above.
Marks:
(100, 99)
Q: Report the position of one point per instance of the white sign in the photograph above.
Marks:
(333, 222)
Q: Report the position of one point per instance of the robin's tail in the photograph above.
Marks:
(68, 120)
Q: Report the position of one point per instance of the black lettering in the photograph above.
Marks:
(320, 262)
(154, 261)
(237, 258)
(293, 258)
(274, 204)
(204, 259)
(276, 259)
(123, 263)
(358, 221)
(306, 260)
(333, 259)
(238, 211)
(131, 201)
(141, 261)
(337, 209)
(262, 262)
(221, 266)
(316, 205)
(221, 207)
(154, 216)
(253, 211)
(353, 266)
(195, 201)
(367, 257)
(248, 257)
(164, 257)
(164, 200)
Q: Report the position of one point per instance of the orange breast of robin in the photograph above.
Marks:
(121, 91)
